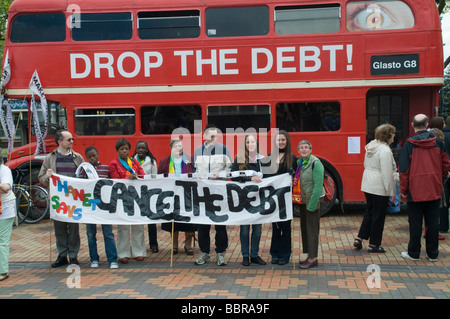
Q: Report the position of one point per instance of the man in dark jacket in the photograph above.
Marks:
(423, 163)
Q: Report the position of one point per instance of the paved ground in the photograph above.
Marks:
(342, 273)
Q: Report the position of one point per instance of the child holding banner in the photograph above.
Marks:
(91, 229)
(124, 167)
(248, 159)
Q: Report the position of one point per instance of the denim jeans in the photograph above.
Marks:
(280, 245)
(110, 244)
(250, 250)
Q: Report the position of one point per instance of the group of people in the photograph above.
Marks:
(210, 160)
(422, 172)
(422, 167)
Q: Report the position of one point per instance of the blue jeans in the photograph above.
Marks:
(280, 245)
(245, 240)
(110, 244)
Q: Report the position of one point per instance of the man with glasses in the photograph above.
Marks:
(64, 161)
(212, 160)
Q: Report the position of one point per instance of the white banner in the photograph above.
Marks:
(7, 121)
(161, 200)
(6, 73)
(36, 88)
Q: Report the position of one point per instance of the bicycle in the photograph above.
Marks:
(22, 203)
(32, 200)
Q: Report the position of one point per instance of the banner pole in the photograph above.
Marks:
(50, 245)
(171, 248)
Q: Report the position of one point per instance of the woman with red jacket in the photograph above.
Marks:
(125, 167)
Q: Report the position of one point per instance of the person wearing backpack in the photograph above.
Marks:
(378, 184)
(310, 172)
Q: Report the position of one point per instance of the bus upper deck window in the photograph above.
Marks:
(169, 24)
(103, 26)
(378, 15)
(307, 19)
(237, 21)
(41, 27)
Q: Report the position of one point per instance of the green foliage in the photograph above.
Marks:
(4, 7)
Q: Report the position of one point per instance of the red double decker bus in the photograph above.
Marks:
(328, 71)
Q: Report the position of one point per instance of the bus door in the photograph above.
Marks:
(388, 106)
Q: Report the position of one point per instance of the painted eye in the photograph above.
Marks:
(383, 15)
(374, 18)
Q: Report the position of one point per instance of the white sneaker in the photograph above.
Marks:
(406, 256)
(221, 259)
(204, 257)
(431, 259)
(94, 264)
(113, 265)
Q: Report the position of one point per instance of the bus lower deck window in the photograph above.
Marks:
(309, 117)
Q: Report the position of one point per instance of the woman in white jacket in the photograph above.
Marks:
(378, 184)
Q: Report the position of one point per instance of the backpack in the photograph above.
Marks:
(328, 185)
(329, 189)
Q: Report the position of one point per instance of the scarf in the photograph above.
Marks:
(172, 166)
(296, 190)
(139, 160)
(128, 166)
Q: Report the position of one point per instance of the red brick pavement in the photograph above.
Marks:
(341, 274)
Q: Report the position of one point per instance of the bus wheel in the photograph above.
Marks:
(31, 178)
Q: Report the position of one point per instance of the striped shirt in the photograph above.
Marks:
(102, 171)
(65, 165)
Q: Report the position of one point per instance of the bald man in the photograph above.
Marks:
(422, 165)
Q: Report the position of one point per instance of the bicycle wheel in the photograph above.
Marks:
(22, 203)
(39, 204)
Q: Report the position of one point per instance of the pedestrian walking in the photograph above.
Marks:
(378, 184)
(423, 163)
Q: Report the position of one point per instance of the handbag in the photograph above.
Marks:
(394, 207)
(296, 190)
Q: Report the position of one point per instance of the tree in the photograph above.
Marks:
(444, 96)
(4, 6)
